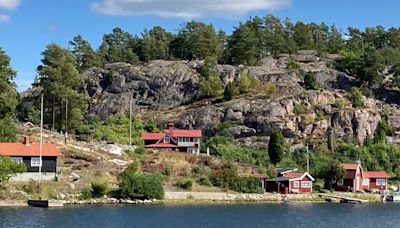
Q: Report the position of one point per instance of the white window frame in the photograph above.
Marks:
(35, 161)
(191, 150)
(18, 160)
(306, 184)
(365, 182)
(340, 182)
(296, 184)
(167, 139)
(380, 182)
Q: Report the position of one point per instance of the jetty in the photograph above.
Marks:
(342, 199)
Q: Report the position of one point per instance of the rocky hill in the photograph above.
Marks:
(169, 91)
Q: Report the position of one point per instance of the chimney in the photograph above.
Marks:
(26, 140)
(170, 125)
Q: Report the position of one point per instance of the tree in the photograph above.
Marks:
(303, 36)
(211, 85)
(145, 186)
(356, 97)
(380, 133)
(60, 80)
(85, 56)
(335, 40)
(275, 36)
(276, 147)
(8, 168)
(245, 43)
(8, 98)
(154, 44)
(118, 46)
(331, 172)
(196, 40)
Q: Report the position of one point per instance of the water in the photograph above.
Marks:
(228, 215)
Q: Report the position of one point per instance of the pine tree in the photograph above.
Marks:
(8, 99)
(276, 147)
(85, 56)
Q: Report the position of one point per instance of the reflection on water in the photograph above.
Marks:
(229, 215)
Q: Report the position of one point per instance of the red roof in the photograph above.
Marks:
(294, 175)
(19, 149)
(161, 145)
(173, 133)
(350, 166)
(152, 136)
(184, 133)
(376, 174)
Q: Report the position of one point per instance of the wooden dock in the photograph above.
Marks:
(342, 199)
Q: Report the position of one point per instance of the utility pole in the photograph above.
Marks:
(41, 138)
(308, 159)
(130, 122)
(53, 127)
(66, 122)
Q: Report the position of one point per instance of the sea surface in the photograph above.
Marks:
(213, 215)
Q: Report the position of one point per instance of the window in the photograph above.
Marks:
(195, 139)
(35, 161)
(306, 184)
(380, 182)
(340, 182)
(365, 182)
(167, 139)
(296, 184)
(191, 150)
(17, 159)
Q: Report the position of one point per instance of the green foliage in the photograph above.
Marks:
(205, 181)
(247, 84)
(226, 176)
(211, 85)
(115, 129)
(145, 186)
(85, 56)
(134, 167)
(310, 81)
(8, 168)
(99, 187)
(154, 44)
(340, 103)
(237, 153)
(356, 97)
(381, 131)
(86, 194)
(299, 109)
(230, 92)
(184, 183)
(140, 150)
(60, 78)
(8, 131)
(276, 147)
(292, 65)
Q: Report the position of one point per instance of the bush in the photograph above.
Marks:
(86, 194)
(230, 91)
(340, 103)
(99, 188)
(167, 170)
(211, 85)
(143, 186)
(356, 97)
(299, 109)
(310, 82)
(292, 65)
(184, 183)
(198, 170)
(140, 150)
(205, 181)
(134, 167)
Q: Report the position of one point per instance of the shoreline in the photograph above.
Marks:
(199, 198)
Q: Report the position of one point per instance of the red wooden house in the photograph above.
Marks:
(291, 182)
(174, 140)
(375, 180)
(356, 179)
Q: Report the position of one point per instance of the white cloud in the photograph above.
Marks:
(9, 4)
(4, 18)
(186, 8)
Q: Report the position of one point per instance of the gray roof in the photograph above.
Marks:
(286, 169)
(279, 179)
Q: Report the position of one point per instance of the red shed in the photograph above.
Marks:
(352, 180)
(375, 180)
(293, 182)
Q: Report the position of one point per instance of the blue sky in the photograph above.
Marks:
(27, 26)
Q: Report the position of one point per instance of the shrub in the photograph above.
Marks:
(205, 181)
(356, 97)
(143, 186)
(134, 167)
(340, 103)
(299, 109)
(184, 183)
(230, 91)
(167, 170)
(292, 65)
(99, 188)
(140, 150)
(211, 85)
(86, 194)
(197, 170)
(310, 82)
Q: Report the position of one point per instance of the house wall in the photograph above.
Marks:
(149, 142)
(372, 184)
(279, 187)
(299, 188)
(49, 164)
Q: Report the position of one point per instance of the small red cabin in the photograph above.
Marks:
(375, 180)
(291, 182)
